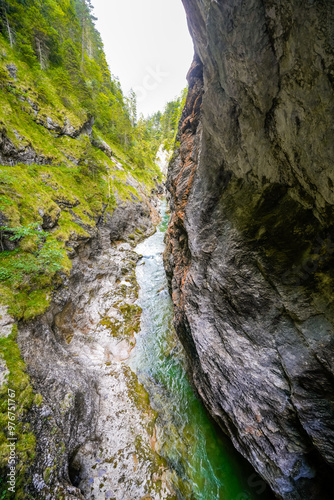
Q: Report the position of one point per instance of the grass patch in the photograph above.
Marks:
(19, 382)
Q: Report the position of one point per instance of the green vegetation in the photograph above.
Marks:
(71, 148)
(67, 200)
(18, 382)
(60, 103)
(61, 69)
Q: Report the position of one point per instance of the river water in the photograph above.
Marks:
(205, 466)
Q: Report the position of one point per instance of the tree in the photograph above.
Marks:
(131, 103)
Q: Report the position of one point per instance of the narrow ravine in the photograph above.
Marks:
(204, 464)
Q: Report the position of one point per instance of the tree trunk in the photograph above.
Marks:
(10, 34)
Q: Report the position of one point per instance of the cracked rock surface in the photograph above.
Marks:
(250, 244)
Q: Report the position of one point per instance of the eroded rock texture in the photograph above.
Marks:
(74, 353)
(250, 244)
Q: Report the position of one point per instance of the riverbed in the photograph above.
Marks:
(204, 465)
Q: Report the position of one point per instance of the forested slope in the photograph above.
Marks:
(67, 143)
(77, 171)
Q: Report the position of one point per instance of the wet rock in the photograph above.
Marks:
(6, 322)
(50, 125)
(87, 127)
(67, 416)
(65, 203)
(50, 219)
(128, 221)
(6, 244)
(4, 372)
(34, 106)
(103, 146)
(106, 149)
(66, 128)
(249, 245)
(6, 326)
(92, 429)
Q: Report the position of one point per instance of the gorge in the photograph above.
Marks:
(158, 352)
(249, 248)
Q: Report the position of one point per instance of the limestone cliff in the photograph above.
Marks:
(250, 244)
(77, 191)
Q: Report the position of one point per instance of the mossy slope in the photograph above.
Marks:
(69, 154)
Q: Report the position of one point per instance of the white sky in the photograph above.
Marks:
(148, 47)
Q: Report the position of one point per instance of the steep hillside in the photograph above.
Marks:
(77, 175)
(68, 147)
(250, 243)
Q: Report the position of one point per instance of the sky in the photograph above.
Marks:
(148, 46)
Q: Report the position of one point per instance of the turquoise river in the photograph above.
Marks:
(205, 465)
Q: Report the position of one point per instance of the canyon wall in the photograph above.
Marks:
(250, 243)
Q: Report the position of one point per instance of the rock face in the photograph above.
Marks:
(11, 154)
(250, 244)
(94, 427)
(25, 153)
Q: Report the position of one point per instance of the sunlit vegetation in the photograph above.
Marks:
(62, 68)
(60, 101)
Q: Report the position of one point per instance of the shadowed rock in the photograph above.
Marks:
(249, 248)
